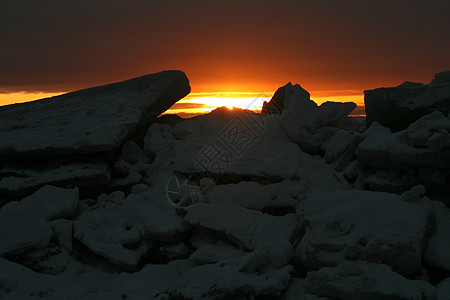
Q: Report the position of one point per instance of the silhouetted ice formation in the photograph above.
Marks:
(398, 107)
(102, 200)
(87, 121)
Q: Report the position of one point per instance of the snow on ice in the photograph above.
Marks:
(99, 199)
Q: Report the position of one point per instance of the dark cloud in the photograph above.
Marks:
(65, 45)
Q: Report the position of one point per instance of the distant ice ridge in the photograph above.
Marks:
(297, 202)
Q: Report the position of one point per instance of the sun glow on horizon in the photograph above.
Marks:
(204, 102)
(201, 103)
(21, 97)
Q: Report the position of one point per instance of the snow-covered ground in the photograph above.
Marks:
(305, 203)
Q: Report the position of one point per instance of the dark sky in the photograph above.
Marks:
(242, 45)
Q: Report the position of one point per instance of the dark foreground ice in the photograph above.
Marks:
(100, 200)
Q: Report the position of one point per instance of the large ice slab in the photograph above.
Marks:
(91, 120)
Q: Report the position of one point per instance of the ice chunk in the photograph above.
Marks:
(385, 150)
(24, 226)
(121, 229)
(372, 226)
(25, 180)
(398, 107)
(248, 228)
(257, 196)
(364, 280)
(227, 280)
(301, 118)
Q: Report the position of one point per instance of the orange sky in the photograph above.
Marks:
(331, 48)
